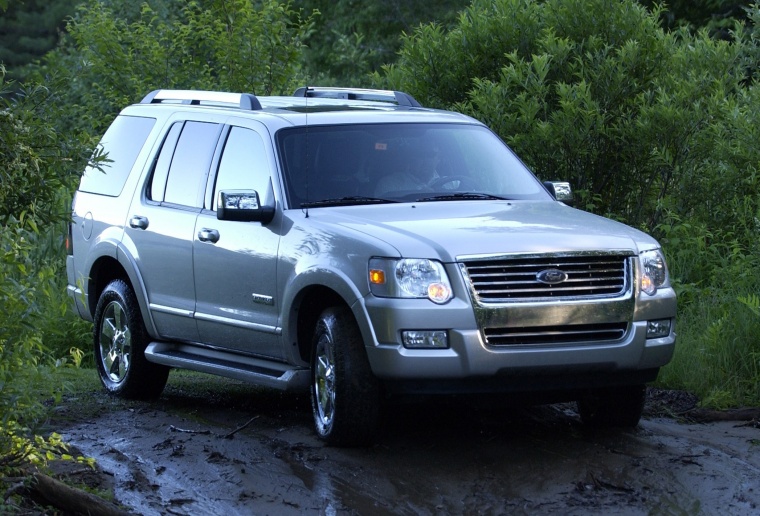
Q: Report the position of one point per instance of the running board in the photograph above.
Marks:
(231, 365)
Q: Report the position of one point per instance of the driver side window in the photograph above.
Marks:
(244, 164)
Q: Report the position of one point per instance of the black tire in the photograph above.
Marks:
(345, 394)
(613, 407)
(120, 339)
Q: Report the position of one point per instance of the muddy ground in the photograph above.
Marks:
(211, 446)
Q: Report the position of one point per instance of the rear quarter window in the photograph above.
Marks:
(121, 145)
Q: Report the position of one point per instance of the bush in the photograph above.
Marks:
(38, 164)
(592, 92)
(718, 326)
(25, 365)
(232, 45)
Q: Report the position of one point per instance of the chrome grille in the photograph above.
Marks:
(587, 276)
(556, 335)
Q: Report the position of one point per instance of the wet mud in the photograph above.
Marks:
(218, 447)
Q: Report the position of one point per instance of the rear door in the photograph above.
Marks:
(236, 262)
(161, 225)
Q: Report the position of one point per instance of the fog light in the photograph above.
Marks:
(418, 339)
(658, 329)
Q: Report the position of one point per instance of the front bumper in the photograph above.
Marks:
(631, 359)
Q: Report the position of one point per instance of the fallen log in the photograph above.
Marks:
(704, 415)
(69, 499)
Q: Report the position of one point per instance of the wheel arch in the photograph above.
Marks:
(310, 289)
(305, 310)
(107, 269)
(103, 271)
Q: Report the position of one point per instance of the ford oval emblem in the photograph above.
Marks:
(551, 276)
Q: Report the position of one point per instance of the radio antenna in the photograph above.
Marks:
(306, 150)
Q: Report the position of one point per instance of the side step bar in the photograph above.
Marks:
(231, 365)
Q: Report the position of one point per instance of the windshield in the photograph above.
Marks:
(360, 164)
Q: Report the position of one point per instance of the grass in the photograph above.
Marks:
(717, 353)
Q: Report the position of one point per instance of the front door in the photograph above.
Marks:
(235, 265)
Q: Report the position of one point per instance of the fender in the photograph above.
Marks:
(125, 257)
(104, 245)
(298, 283)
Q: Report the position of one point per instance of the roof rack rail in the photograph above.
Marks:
(398, 97)
(246, 101)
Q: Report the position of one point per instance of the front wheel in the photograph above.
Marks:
(345, 394)
(120, 341)
(613, 407)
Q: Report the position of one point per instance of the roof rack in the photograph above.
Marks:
(398, 97)
(245, 101)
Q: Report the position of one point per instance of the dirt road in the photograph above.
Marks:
(210, 446)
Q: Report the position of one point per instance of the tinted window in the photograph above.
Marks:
(191, 162)
(121, 143)
(244, 164)
(157, 187)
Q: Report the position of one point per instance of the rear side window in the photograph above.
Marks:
(121, 144)
(183, 163)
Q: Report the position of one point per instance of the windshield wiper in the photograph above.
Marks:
(463, 196)
(346, 201)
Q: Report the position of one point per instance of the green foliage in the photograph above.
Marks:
(718, 356)
(38, 164)
(438, 65)
(352, 38)
(36, 451)
(24, 361)
(591, 92)
(227, 45)
(29, 29)
(714, 272)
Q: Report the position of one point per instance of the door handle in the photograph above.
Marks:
(138, 222)
(208, 235)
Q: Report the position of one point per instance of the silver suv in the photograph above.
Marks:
(357, 245)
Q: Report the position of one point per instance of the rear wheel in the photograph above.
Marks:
(613, 407)
(345, 394)
(120, 339)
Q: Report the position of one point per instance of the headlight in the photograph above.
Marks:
(654, 271)
(409, 278)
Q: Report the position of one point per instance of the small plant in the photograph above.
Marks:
(751, 301)
(21, 451)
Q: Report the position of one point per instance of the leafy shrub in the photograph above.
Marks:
(231, 45)
(38, 164)
(718, 351)
(592, 92)
(24, 362)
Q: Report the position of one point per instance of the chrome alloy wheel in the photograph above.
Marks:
(324, 381)
(115, 342)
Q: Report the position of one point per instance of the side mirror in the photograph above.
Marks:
(242, 205)
(560, 190)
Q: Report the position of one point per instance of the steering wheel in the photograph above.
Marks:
(455, 182)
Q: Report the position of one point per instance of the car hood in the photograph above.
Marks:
(456, 229)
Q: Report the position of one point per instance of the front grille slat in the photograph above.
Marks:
(515, 279)
(556, 335)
